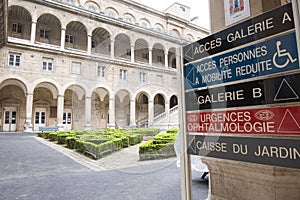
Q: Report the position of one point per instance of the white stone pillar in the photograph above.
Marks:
(132, 112)
(166, 59)
(33, 32)
(62, 39)
(150, 112)
(29, 103)
(150, 56)
(112, 120)
(89, 46)
(88, 112)
(60, 112)
(167, 109)
(112, 49)
(132, 53)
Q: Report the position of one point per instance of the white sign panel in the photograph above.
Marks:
(236, 10)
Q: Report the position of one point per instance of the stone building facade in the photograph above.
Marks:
(80, 64)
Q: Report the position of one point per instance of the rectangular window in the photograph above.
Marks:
(123, 74)
(17, 28)
(47, 64)
(128, 52)
(93, 44)
(142, 77)
(101, 71)
(159, 59)
(69, 39)
(44, 33)
(145, 55)
(14, 59)
(76, 67)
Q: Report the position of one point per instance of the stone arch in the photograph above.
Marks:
(122, 107)
(19, 22)
(48, 29)
(92, 6)
(122, 46)
(101, 41)
(112, 12)
(141, 50)
(158, 53)
(76, 36)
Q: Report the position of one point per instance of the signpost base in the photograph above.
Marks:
(247, 181)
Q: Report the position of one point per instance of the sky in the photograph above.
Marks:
(199, 8)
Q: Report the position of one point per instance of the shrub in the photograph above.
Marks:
(71, 141)
(53, 136)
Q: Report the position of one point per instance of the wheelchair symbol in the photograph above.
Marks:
(282, 53)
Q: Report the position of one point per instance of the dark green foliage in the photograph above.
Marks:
(98, 143)
(159, 142)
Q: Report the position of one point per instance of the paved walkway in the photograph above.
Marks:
(120, 160)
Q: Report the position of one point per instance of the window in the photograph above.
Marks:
(92, 8)
(123, 74)
(47, 64)
(44, 33)
(111, 14)
(69, 39)
(159, 59)
(128, 52)
(71, 2)
(17, 28)
(76, 67)
(93, 44)
(142, 77)
(145, 25)
(127, 19)
(145, 55)
(14, 59)
(101, 71)
(182, 8)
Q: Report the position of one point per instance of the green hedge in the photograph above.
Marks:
(98, 143)
(158, 142)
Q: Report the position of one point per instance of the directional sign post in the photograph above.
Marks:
(283, 89)
(270, 23)
(269, 151)
(274, 56)
(284, 120)
(241, 90)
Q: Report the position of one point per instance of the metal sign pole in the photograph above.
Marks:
(185, 164)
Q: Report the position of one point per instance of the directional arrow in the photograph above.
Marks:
(192, 145)
(190, 52)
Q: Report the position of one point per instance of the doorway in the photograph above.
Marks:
(10, 119)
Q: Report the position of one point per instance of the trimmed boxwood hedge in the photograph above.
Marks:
(159, 142)
(98, 143)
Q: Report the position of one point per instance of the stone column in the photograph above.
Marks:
(88, 112)
(62, 39)
(112, 49)
(60, 112)
(29, 103)
(89, 46)
(167, 109)
(150, 56)
(166, 59)
(132, 113)
(132, 53)
(33, 32)
(112, 120)
(150, 112)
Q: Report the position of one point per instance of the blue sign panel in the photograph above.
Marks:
(270, 57)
